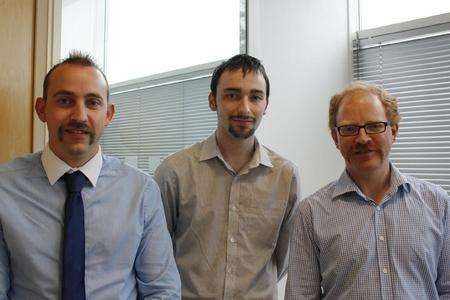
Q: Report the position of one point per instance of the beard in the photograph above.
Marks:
(76, 126)
(241, 134)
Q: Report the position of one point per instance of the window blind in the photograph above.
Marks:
(414, 66)
(157, 117)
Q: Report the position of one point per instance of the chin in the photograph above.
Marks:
(79, 150)
(365, 165)
(242, 134)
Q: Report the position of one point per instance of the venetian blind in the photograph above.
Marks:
(157, 117)
(414, 66)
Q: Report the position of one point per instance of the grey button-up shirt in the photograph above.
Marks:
(230, 230)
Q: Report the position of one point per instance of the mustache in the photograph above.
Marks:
(359, 148)
(74, 125)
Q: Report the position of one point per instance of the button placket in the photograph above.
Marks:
(231, 242)
(382, 253)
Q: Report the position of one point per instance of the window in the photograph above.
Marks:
(411, 60)
(83, 28)
(376, 13)
(159, 57)
(159, 116)
(153, 37)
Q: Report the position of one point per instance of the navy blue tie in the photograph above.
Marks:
(73, 253)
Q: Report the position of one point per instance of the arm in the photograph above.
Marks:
(168, 184)
(4, 267)
(282, 248)
(156, 272)
(304, 273)
(443, 272)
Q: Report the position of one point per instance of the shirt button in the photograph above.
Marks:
(229, 270)
(385, 270)
(378, 208)
(381, 238)
(233, 208)
(232, 240)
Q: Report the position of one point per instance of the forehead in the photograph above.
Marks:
(77, 79)
(237, 79)
(360, 107)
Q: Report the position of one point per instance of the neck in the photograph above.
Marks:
(236, 152)
(373, 184)
(73, 161)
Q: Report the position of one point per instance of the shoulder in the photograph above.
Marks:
(121, 171)
(428, 191)
(320, 198)
(280, 162)
(180, 160)
(21, 165)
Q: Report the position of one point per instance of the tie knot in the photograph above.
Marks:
(74, 181)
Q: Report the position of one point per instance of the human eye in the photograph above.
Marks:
(348, 129)
(94, 103)
(232, 95)
(256, 97)
(64, 101)
(375, 127)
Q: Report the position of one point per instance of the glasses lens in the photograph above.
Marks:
(348, 130)
(375, 127)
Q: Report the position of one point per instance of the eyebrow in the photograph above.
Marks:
(366, 123)
(257, 91)
(69, 93)
(232, 90)
(64, 93)
(239, 90)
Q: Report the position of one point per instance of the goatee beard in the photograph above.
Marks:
(241, 134)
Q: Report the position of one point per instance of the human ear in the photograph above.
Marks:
(212, 102)
(39, 107)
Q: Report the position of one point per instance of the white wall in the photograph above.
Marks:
(304, 45)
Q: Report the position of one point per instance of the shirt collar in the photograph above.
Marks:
(210, 149)
(346, 185)
(55, 167)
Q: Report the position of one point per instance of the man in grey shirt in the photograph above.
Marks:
(229, 201)
(374, 233)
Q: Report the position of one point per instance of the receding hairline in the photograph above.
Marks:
(69, 64)
(347, 95)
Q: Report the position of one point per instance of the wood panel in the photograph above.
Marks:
(17, 19)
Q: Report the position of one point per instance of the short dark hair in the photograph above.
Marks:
(75, 58)
(243, 62)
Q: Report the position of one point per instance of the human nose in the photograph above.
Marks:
(362, 136)
(245, 105)
(79, 112)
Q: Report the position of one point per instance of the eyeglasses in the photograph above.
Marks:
(371, 128)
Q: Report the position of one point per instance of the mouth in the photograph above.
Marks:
(76, 132)
(244, 120)
(365, 154)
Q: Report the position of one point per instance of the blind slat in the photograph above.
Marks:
(154, 121)
(417, 72)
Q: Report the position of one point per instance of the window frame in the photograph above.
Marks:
(51, 12)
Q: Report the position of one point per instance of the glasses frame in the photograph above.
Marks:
(386, 124)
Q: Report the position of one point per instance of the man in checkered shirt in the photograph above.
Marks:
(374, 233)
